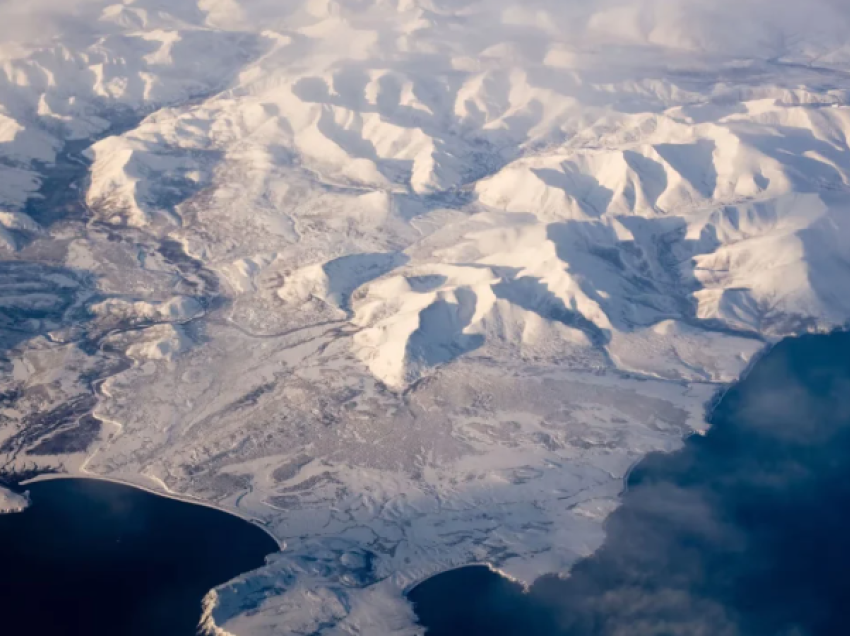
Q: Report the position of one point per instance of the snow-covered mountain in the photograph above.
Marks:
(411, 282)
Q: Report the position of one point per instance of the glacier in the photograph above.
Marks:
(410, 283)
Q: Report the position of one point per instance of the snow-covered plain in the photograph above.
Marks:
(413, 283)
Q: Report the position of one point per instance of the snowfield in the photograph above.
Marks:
(413, 283)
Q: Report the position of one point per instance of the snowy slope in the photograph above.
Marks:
(412, 282)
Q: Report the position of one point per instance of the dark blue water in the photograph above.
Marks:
(744, 532)
(92, 558)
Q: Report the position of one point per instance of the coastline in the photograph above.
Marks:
(159, 493)
(709, 406)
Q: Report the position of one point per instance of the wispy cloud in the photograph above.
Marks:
(33, 21)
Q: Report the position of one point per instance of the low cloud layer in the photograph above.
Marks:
(734, 27)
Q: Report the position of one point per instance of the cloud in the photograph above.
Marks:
(736, 26)
(33, 21)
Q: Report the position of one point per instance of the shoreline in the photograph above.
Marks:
(159, 493)
(158, 488)
(407, 589)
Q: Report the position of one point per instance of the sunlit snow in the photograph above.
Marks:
(413, 283)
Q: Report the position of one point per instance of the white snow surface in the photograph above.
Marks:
(413, 283)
